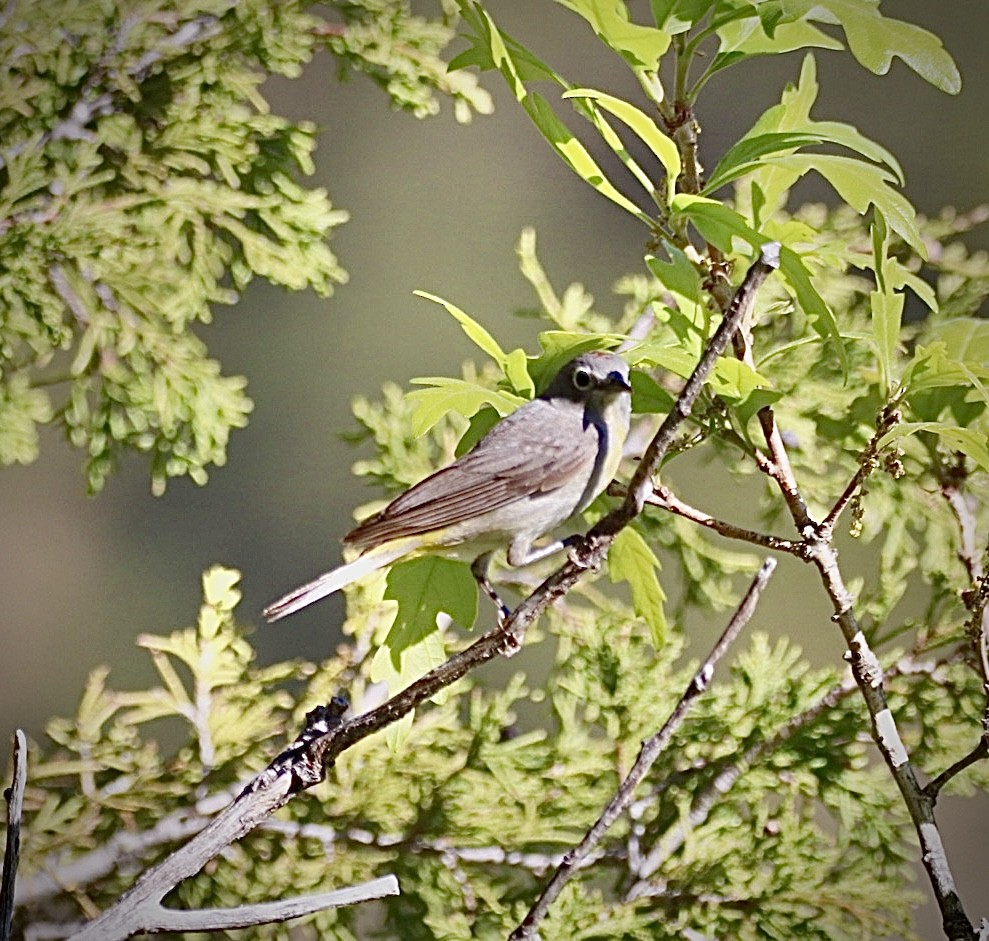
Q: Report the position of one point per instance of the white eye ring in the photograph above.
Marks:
(581, 379)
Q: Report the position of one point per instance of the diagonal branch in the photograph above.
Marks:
(733, 769)
(140, 909)
(651, 749)
(304, 763)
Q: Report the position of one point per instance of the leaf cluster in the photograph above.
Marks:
(401, 53)
(489, 787)
(143, 182)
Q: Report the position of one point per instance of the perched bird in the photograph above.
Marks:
(532, 471)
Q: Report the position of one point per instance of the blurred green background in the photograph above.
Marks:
(438, 206)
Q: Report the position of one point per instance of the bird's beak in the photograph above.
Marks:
(616, 380)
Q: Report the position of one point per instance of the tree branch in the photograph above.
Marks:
(868, 675)
(14, 796)
(665, 499)
(651, 749)
(140, 909)
(979, 753)
(868, 461)
(326, 735)
(119, 851)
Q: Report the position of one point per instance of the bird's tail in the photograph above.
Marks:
(334, 580)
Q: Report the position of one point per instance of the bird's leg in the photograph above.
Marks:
(519, 555)
(520, 558)
(479, 569)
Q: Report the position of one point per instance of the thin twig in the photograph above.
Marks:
(741, 307)
(651, 749)
(868, 461)
(120, 851)
(724, 780)
(979, 753)
(977, 597)
(977, 601)
(731, 771)
(664, 498)
(14, 795)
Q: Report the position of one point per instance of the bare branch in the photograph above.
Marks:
(723, 782)
(121, 849)
(977, 601)
(651, 749)
(664, 498)
(14, 796)
(140, 909)
(732, 770)
(977, 597)
(867, 672)
(979, 753)
(740, 309)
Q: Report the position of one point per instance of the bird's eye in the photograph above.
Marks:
(581, 379)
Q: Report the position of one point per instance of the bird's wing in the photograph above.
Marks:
(534, 450)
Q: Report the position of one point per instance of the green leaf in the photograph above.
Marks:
(475, 332)
(716, 222)
(659, 143)
(747, 154)
(756, 150)
(679, 275)
(218, 587)
(512, 365)
(517, 373)
(648, 396)
(424, 588)
(730, 378)
(561, 346)
(677, 16)
(954, 398)
(875, 40)
(957, 355)
(640, 46)
(735, 380)
(480, 424)
(753, 403)
(932, 368)
(965, 339)
(723, 227)
(630, 559)
(886, 305)
(887, 315)
(492, 49)
(674, 357)
(972, 443)
(745, 37)
(862, 184)
(444, 395)
(22, 409)
(575, 155)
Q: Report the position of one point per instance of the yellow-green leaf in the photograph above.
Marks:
(630, 559)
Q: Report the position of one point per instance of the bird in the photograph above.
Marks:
(535, 469)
